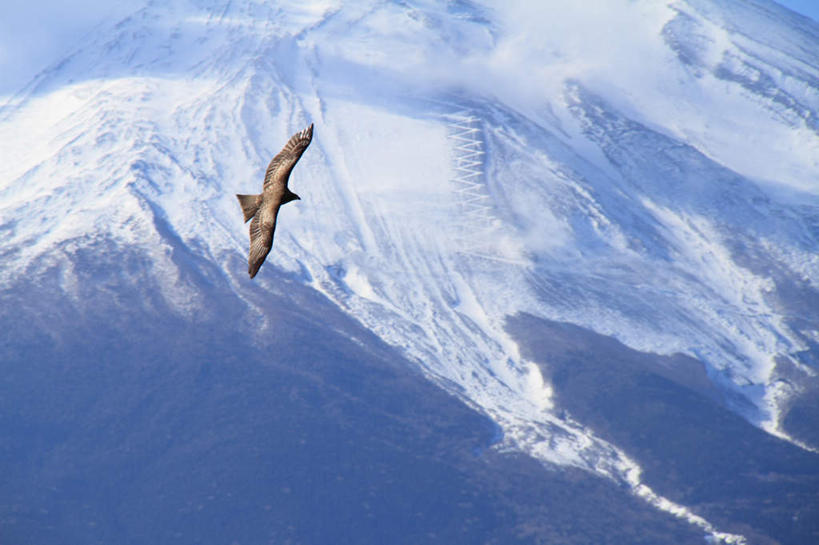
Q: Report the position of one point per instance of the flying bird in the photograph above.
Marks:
(261, 210)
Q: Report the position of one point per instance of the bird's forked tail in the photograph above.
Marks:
(249, 204)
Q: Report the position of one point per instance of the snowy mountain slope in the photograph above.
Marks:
(131, 423)
(471, 162)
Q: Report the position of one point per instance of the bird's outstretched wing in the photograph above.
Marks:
(281, 165)
(261, 238)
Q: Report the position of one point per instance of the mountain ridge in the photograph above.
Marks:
(442, 196)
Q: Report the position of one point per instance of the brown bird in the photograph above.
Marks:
(262, 209)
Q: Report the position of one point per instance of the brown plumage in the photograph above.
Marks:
(262, 209)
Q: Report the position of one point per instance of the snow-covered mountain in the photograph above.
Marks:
(643, 171)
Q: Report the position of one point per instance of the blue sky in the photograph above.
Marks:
(805, 7)
(36, 34)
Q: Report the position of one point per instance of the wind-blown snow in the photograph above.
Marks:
(643, 169)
